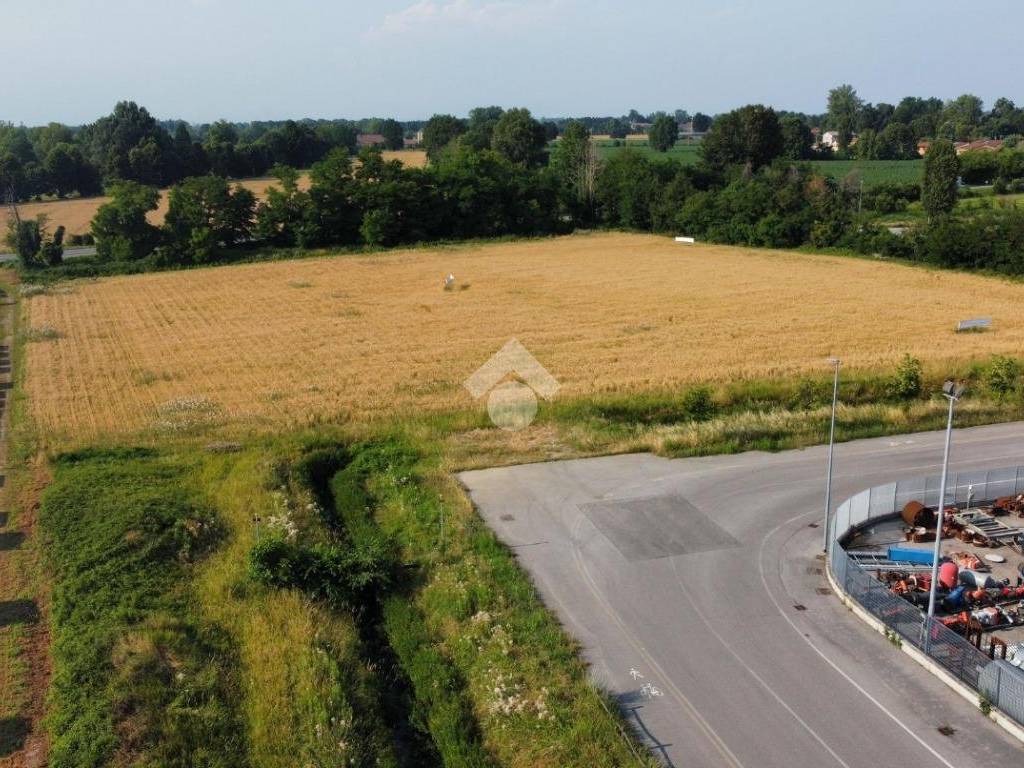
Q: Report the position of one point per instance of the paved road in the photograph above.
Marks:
(685, 603)
(75, 252)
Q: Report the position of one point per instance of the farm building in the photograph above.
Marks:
(982, 145)
(370, 140)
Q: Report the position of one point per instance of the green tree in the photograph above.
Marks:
(749, 135)
(896, 142)
(294, 144)
(220, 149)
(480, 128)
(961, 118)
(519, 137)
(627, 190)
(399, 204)
(574, 161)
(25, 238)
(701, 122)
(393, 133)
(844, 107)
(110, 141)
(906, 383)
(797, 139)
(47, 137)
(663, 134)
(205, 215)
(337, 134)
(120, 228)
(616, 128)
(336, 214)
(439, 131)
(31, 241)
(867, 146)
(941, 171)
(65, 168)
(1002, 375)
(13, 183)
(286, 217)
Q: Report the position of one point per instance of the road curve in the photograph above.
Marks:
(704, 607)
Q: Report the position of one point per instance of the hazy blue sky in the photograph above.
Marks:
(71, 60)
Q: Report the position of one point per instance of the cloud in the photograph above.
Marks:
(430, 17)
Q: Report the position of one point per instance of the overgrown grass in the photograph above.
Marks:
(139, 678)
(309, 696)
(493, 677)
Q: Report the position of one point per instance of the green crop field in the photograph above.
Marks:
(686, 152)
(872, 171)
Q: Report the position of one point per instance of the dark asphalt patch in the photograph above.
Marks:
(658, 526)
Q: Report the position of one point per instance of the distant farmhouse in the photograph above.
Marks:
(830, 140)
(415, 141)
(686, 131)
(982, 145)
(370, 140)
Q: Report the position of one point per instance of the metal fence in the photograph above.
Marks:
(997, 680)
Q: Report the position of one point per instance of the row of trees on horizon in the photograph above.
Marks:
(496, 175)
(131, 145)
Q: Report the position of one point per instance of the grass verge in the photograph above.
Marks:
(139, 678)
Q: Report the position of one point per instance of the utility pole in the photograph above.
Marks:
(836, 362)
(952, 392)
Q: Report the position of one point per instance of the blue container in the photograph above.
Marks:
(911, 555)
(955, 599)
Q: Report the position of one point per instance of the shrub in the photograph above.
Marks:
(1001, 375)
(906, 383)
(698, 404)
(344, 577)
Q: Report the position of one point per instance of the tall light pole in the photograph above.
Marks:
(836, 362)
(952, 392)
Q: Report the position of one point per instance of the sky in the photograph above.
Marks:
(200, 60)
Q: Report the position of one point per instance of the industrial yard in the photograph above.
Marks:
(981, 581)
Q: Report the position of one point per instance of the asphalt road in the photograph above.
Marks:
(686, 602)
(75, 252)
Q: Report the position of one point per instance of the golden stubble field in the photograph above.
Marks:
(373, 335)
(76, 214)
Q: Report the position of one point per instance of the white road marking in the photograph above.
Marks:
(691, 710)
(806, 726)
(826, 659)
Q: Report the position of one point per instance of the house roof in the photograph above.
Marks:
(983, 145)
(369, 139)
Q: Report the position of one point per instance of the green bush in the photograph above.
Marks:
(906, 383)
(699, 404)
(1001, 375)
(345, 577)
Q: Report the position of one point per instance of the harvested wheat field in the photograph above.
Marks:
(364, 336)
(76, 214)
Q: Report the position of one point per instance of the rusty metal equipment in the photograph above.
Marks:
(997, 650)
(917, 515)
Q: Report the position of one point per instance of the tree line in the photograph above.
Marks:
(889, 131)
(131, 145)
(494, 174)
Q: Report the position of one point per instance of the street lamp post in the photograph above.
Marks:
(836, 362)
(952, 392)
